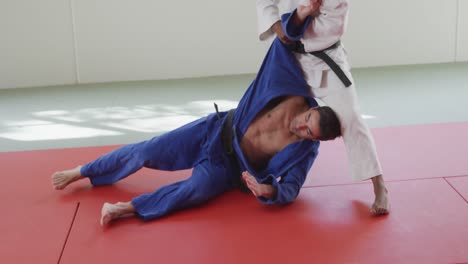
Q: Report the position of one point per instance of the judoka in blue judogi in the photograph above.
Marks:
(201, 145)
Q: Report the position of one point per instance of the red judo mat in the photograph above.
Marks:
(408, 152)
(329, 223)
(34, 223)
(325, 225)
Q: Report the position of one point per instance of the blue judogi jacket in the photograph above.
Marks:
(279, 75)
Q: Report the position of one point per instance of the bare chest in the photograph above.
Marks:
(267, 135)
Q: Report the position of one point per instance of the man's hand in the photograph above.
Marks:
(278, 29)
(298, 19)
(258, 189)
(304, 11)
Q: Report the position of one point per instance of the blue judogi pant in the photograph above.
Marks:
(190, 146)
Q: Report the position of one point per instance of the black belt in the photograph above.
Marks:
(227, 137)
(299, 48)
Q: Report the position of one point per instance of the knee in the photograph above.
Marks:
(201, 191)
(350, 118)
(194, 192)
(354, 126)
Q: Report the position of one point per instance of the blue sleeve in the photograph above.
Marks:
(292, 31)
(290, 184)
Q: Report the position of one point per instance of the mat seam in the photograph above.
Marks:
(387, 181)
(68, 233)
(455, 189)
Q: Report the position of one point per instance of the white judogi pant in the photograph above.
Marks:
(360, 147)
(324, 31)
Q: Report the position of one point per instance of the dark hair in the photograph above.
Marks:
(330, 126)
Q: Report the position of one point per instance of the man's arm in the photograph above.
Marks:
(296, 23)
(285, 190)
(269, 22)
(326, 28)
(267, 16)
(266, 191)
(304, 11)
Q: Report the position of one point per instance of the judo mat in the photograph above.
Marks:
(426, 171)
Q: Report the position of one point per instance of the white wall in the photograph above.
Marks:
(462, 34)
(119, 40)
(36, 43)
(147, 39)
(401, 32)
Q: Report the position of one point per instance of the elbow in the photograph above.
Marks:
(339, 30)
(289, 198)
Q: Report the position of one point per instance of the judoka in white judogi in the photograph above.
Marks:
(324, 29)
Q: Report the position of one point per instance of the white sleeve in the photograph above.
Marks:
(327, 28)
(267, 15)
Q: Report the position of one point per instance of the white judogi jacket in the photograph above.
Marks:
(324, 31)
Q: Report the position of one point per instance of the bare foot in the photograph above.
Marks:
(381, 204)
(110, 212)
(61, 179)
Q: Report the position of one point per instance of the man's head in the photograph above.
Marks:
(317, 123)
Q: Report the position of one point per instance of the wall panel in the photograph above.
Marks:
(401, 32)
(147, 39)
(36, 43)
(462, 37)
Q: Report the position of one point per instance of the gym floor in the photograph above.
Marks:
(418, 117)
